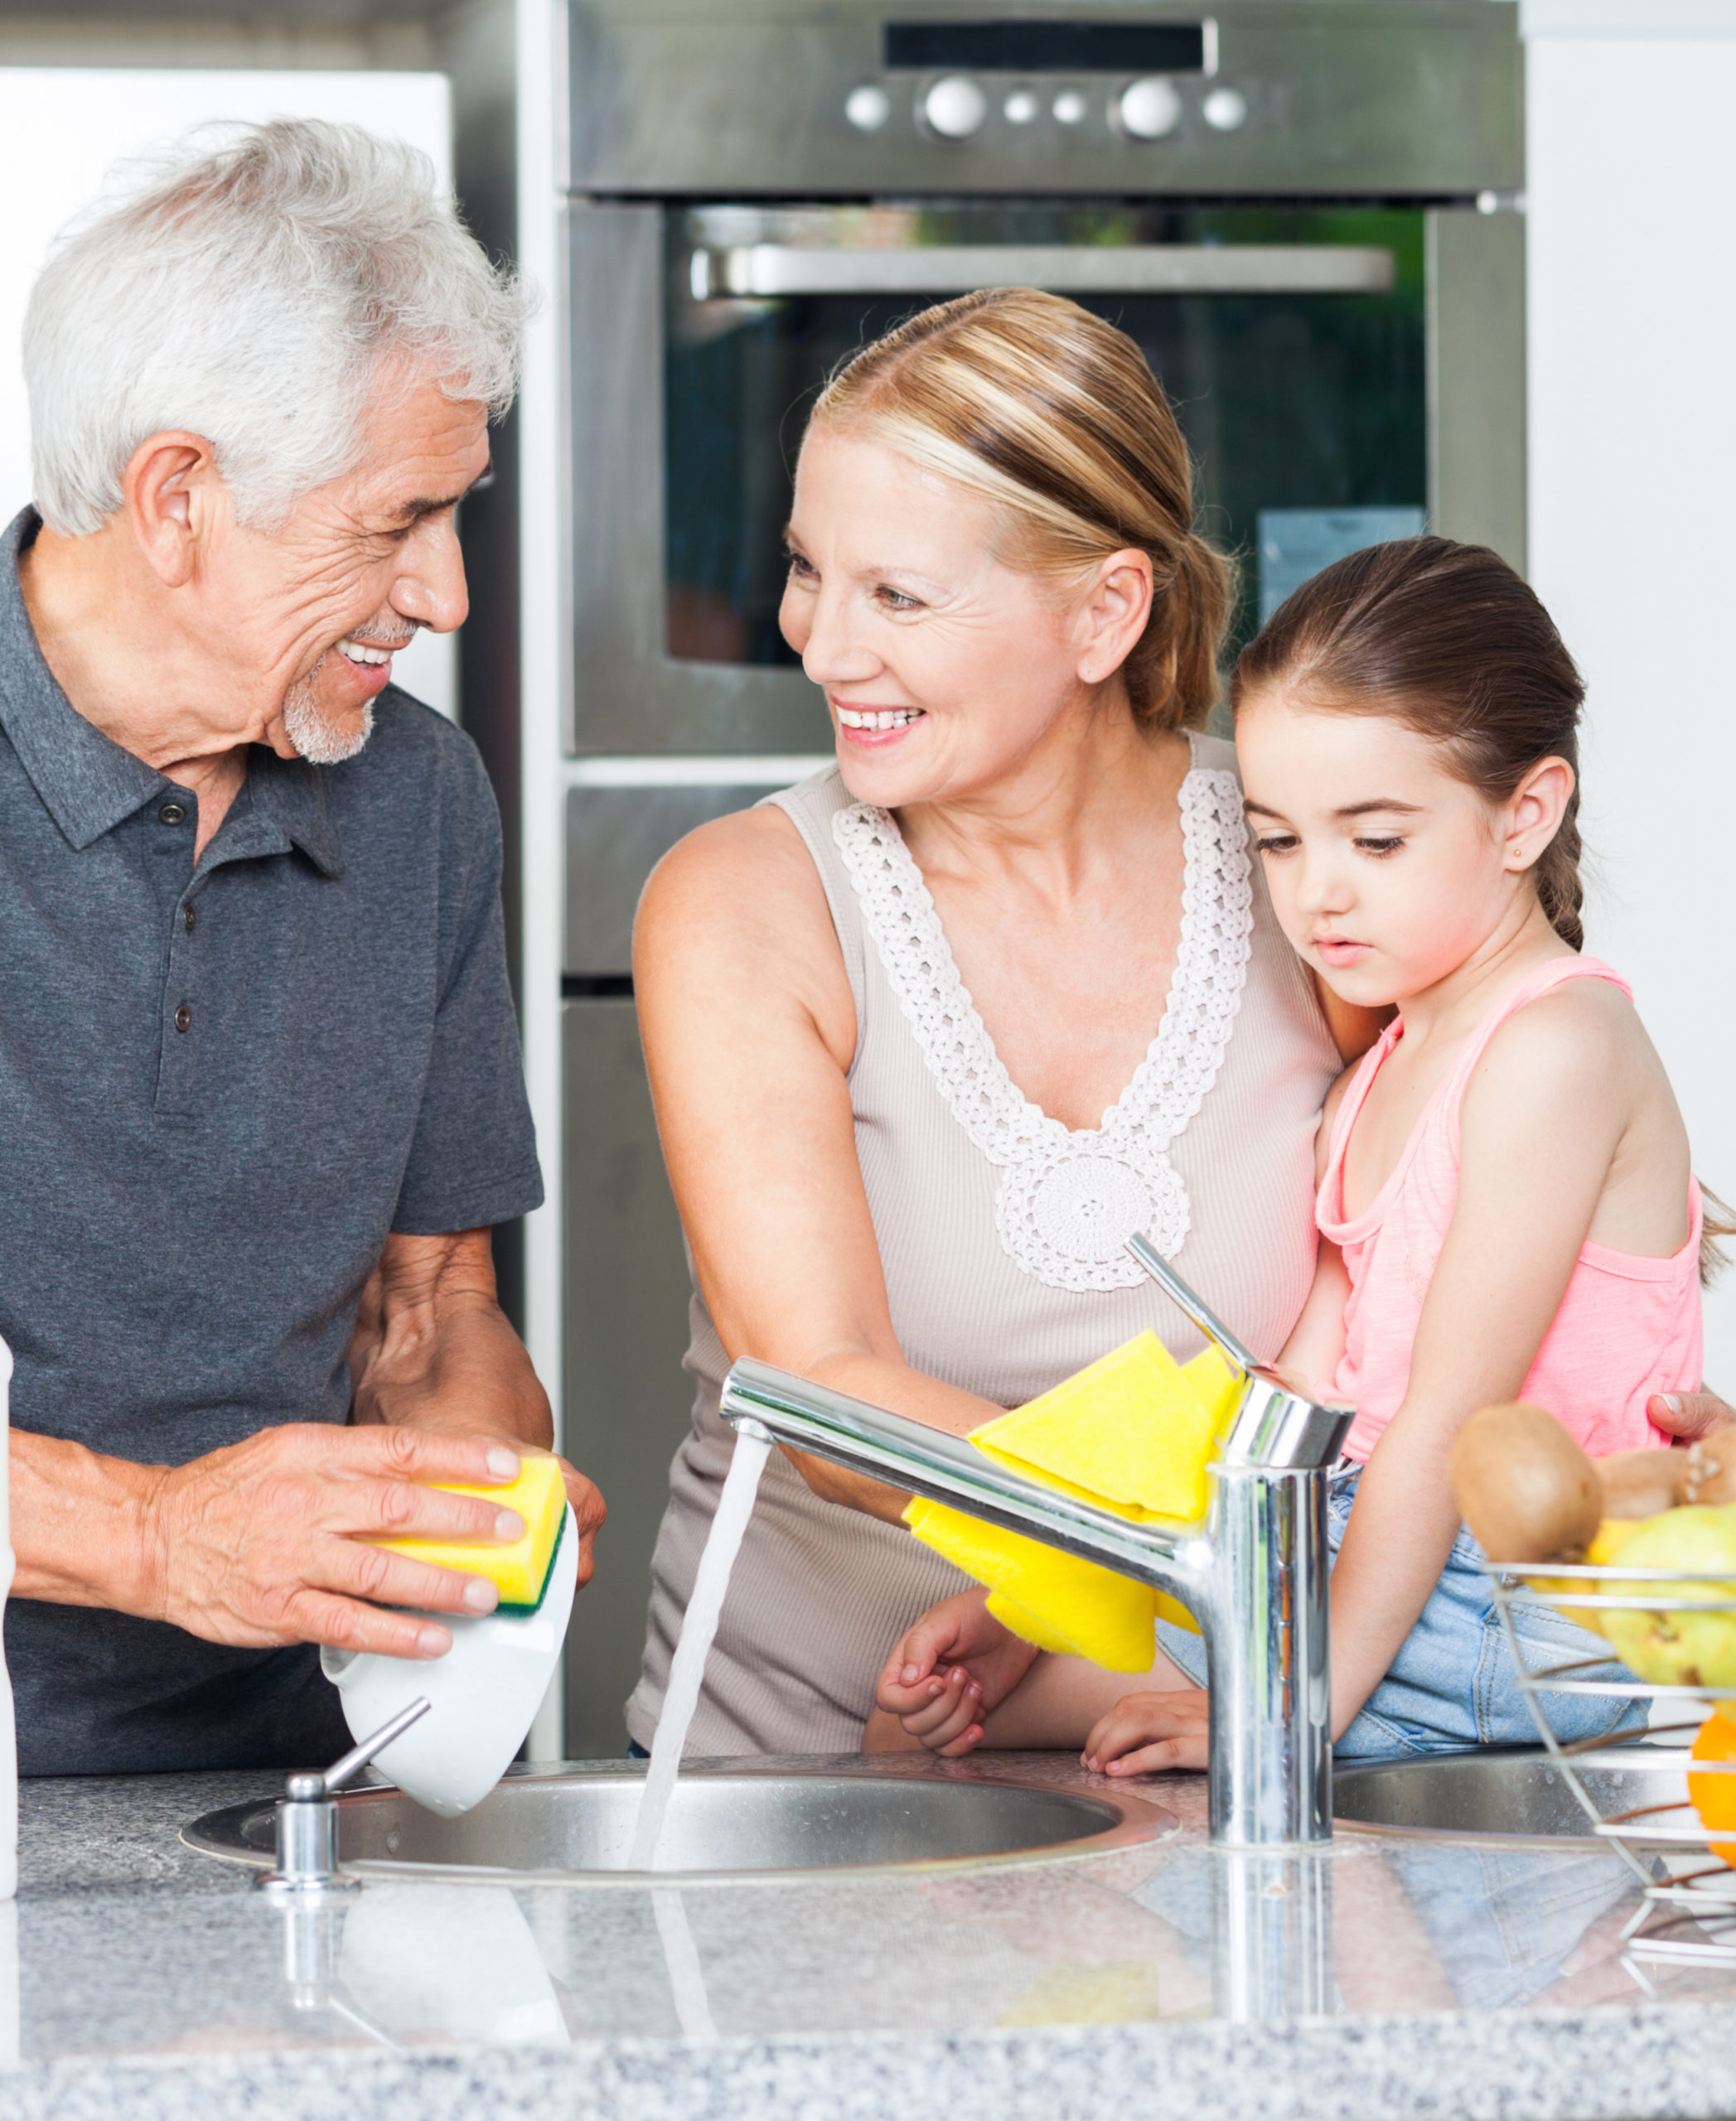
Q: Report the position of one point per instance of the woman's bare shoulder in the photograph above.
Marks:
(738, 904)
(734, 868)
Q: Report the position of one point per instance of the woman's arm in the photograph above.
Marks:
(1541, 1121)
(749, 1030)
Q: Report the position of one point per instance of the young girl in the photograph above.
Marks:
(1506, 1206)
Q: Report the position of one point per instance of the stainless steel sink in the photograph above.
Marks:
(1506, 1793)
(573, 1824)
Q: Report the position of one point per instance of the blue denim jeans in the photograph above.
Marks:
(1453, 1683)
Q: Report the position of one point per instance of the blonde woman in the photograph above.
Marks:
(930, 1034)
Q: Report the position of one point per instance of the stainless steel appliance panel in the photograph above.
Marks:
(1477, 425)
(628, 697)
(627, 1400)
(1417, 97)
(615, 837)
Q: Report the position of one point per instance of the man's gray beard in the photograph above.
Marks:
(312, 731)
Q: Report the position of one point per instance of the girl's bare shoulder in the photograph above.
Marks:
(1581, 1033)
(1579, 1059)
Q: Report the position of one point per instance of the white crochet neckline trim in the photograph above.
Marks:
(1069, 1198)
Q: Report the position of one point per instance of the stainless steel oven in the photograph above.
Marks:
(1304, 210)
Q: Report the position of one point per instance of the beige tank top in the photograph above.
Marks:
(1001, 1234)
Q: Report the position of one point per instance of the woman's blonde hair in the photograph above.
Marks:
(1055, 416)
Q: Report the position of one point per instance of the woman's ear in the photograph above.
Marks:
(169, 489)
(1535, 809)
(1114, 608)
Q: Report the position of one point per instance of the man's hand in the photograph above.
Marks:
(265, 1543)
(433, 1350)
(1688, 1416)
(262, 1543)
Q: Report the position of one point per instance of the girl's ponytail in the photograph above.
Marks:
(1559, 892)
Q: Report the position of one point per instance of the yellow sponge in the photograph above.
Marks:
(520, 1572)
(1133, 1434)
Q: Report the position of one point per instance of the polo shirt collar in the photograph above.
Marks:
(89, 783)
(290, 794)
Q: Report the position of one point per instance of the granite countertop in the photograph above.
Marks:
(1392, 1977)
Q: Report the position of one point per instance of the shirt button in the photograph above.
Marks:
(173, 813)
(188, 917)
(183, 1018)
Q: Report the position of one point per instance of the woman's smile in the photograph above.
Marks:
(874, 728)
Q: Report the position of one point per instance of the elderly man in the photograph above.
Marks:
(260, 1094)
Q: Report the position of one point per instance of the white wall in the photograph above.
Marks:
(62, 128)
(1632, 203)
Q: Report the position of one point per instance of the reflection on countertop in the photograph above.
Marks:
(1493, 1975)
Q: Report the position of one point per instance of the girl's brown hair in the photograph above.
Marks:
(1447, 640)
(1038, 406)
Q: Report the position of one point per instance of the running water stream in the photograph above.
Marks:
(699, 1626)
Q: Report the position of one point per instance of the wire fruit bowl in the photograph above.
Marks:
(1687, 1913)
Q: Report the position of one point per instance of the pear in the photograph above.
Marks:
(1681, 1648)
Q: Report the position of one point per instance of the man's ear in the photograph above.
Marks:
(169, 496)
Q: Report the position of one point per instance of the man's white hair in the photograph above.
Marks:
(251, 288)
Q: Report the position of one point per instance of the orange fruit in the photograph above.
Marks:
(1714, 1796)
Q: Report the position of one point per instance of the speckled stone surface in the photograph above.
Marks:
(139, 1979)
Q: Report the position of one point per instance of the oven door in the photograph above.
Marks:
(1294, 342)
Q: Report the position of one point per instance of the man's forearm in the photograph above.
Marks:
(434, 1349)
(469, 1375)
(81, 1526)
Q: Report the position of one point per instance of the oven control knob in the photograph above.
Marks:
(1148, 109)
(955, 107)
(868, 107)
(1225, 109)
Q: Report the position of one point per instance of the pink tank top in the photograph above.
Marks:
(1627, 1326)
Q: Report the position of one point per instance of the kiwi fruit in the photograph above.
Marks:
(1526, 1489)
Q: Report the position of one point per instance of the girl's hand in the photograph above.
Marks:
(948, 1720)
(1145, 1732)
(951, 1669)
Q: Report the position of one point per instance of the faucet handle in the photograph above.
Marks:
(1277, 1423)
(1178, 1293)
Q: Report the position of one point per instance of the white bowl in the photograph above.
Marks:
(483, 1694)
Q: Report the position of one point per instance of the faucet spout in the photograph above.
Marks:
(1255, 1575)
(871, 1439)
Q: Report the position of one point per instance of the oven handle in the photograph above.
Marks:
(764, 269)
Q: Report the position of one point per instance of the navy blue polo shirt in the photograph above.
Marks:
(221, 1088)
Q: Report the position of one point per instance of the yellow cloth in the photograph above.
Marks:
(1131, 1434)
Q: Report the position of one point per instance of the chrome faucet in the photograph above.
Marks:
(1253, 1574)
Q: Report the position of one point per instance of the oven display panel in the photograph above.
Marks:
(1038, 47)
